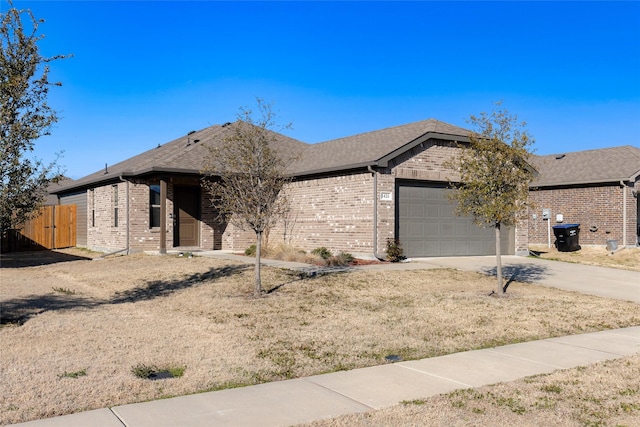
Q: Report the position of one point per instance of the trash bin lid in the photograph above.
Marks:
(565, 226)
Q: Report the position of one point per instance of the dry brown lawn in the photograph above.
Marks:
(73, 331)
(624, 258)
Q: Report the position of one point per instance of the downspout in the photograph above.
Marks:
(624, 213)
(128, 213)
(375, 214)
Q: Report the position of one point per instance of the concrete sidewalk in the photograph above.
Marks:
(304, 400)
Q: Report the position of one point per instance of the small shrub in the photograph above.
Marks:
(322, 252)
(395, 253)
(250, 251)
(144, 371)
(346, 257)
(342, 259)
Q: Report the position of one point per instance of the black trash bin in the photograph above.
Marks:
(567, 237)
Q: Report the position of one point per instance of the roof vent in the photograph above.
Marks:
(560, 156)
(192, 132)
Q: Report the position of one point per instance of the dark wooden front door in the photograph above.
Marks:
(186, 214)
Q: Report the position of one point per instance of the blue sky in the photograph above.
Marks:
(148, 72)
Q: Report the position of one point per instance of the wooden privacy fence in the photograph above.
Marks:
(53, 228)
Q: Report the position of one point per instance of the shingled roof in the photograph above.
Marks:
(184, 155)
(187, 154)
(372, 148)
(588, 167)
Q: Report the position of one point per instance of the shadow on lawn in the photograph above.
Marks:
(37, 258)
(19, 310)
(519, 272)
(160, 288)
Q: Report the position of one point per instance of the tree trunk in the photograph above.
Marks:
(501, 289)
(257, 282)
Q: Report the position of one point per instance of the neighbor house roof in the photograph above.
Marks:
(186, 155)
(588, 167)
(373, 148)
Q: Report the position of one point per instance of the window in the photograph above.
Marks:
(154, 206)
(93, 207)
(115, 205)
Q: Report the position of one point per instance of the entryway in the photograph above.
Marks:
(186, 216)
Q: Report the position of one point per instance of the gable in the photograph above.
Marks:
(375, 148)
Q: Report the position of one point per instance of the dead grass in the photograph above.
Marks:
(624, 258)
(197, 313)
(603, 394)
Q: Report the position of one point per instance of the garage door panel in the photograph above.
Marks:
(428, 226)
(461, 229)
(416, 211)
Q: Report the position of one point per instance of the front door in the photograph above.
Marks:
(186, 208)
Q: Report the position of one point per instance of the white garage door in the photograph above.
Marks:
(428, 226)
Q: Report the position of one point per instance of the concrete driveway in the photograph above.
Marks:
(587, 279)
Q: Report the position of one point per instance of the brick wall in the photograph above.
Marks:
(103, 233)
(335, 212)
(598, 208)
(143, 236)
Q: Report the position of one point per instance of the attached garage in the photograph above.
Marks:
(428, 226)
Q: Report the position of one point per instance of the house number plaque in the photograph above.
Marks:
(386, 196)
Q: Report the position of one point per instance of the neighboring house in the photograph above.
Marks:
(349, 194)
(51, 198)
(597, 189)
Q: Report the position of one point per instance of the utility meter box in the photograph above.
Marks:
(546, 214)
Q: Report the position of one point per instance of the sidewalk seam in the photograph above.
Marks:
(117, 417)
(338, 393)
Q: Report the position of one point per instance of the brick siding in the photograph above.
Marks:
(593, 207)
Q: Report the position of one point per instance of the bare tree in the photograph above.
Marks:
(25, 116)
(494, 175)
(245, 176)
